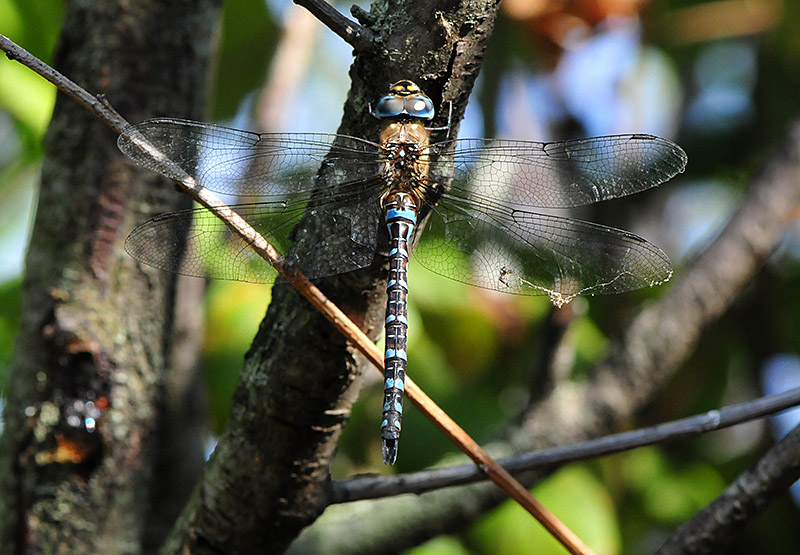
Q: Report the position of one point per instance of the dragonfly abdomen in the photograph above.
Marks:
(401, 218)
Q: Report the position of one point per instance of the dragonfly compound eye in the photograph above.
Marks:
(390, 106)
(419, 106)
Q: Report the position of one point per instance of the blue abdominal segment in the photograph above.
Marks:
(401, 218)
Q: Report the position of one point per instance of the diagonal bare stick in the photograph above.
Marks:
(100, 107)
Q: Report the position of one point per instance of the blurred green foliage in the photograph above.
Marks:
(474, 351)
(233, 313)
(9, 322)
(247, 41)
(25, 110)
(575, 495)
(35, 26)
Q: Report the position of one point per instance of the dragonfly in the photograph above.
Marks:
(335, 203)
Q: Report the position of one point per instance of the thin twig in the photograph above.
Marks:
(357, 36)
(372, 487)
(101, 109)
(96, 104)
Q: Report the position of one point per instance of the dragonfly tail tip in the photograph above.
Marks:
(389, 451)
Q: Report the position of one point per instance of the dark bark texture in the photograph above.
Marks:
(269, 474)
(90, 364)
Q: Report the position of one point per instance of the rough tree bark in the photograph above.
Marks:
(267, 479)
(87, 382)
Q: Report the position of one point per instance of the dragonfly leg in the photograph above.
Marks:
(447, 127)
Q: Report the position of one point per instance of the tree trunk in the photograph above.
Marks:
(90, 366)
(269, 474)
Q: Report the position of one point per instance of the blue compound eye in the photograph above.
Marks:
(419, 106)
(413, 105)
(390, 106)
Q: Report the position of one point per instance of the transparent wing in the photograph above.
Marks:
(334, 178)
(558, 174)
(345, 237)
(242, 163)
(482, 233)
(526, 253)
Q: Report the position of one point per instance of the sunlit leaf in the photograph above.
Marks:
(575, 496)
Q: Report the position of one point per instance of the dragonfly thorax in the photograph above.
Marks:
(405, 133)
(404, 150)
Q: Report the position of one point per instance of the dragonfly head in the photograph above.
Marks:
(405, 100)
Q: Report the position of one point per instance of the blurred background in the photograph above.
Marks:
(721, 78)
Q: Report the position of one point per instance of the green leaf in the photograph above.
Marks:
(575, 496)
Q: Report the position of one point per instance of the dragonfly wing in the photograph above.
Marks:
(322, 239)
(558, 174)
(334, 177)
(526, 253)
(243, 163)
(338, 236)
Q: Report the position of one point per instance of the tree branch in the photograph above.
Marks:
(373, 487)
(91, 360)
(360, 38)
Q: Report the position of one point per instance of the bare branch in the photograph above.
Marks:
(360, 38)
(372, 487)
(97, 105)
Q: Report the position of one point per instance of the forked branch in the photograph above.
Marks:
(357, 36)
